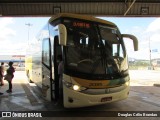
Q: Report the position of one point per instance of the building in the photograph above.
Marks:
(17, 59)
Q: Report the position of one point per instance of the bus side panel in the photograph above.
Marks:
(36, 62)
(37, 69)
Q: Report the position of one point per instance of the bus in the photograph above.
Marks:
(95, 66)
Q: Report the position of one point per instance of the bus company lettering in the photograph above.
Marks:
(81, 24)
(95, 84)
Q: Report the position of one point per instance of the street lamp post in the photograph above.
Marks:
(29, 25)
(150, 53)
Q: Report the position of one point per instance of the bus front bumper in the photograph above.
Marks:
(74, 99)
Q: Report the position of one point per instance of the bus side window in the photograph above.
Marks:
(114, 50)
(121, 54)
(84, 41)
(46, 52)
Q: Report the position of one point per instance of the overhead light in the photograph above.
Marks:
(56, 10)
(144, 10)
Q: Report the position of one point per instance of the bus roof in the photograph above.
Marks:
(80, 16)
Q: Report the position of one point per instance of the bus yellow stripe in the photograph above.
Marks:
(93, 83)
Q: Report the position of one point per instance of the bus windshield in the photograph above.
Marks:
(93, 50)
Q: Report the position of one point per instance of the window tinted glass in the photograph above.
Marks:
(45, 52)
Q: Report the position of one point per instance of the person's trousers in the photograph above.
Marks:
(1, 80)
(10, 85)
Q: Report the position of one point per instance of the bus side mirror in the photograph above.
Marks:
(135, 41)
(62, 34)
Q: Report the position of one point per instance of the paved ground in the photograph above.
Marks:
(144, 96)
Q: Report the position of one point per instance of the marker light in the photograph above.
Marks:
(76, 87)
(127, 84)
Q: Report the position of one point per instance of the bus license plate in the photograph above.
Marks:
(106, 99)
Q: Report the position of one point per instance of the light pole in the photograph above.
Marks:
(150, 53)
(29, 25)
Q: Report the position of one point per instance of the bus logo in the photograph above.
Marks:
(95, 84)
(107, 90)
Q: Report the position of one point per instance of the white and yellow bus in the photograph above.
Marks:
(95, 67)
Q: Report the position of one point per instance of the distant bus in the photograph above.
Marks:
(95, 66)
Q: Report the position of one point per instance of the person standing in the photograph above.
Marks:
(2, 69)
(10, 72)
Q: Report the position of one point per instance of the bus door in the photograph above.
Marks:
(57, 53)
(46, 70)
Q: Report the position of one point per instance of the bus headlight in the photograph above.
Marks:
(73, 86)
(76, 87)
